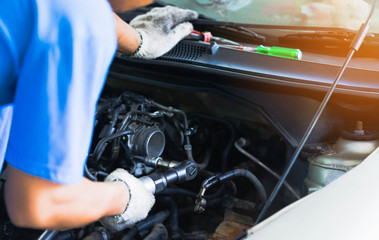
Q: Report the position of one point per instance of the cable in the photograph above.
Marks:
(48, 235)
(99, 149)
(240, 143)
(88, 174)
(187, 146)
(353, 48)
(226, 152)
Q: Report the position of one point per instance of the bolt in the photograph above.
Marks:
(192, 170)
(189, 132)
(199, 209)
(359, 128)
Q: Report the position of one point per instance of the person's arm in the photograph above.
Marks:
(125, 5)
(128, 39)
(37, 203)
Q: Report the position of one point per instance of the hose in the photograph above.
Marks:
(242, 142)
(146, 224)
(99, 234)
(207, 156)
(217, 194)
(171, 191)
(99, 149)
(115, 114)
(116, 142)
(159, 232)
(201, 201)
(174, 222)
(262, 196)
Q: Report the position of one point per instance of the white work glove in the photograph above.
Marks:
(161, 29)
(140, 202)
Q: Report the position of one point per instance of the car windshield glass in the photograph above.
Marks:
(320, 13)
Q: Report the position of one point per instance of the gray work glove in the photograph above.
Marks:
(140, 202)
(161, 29)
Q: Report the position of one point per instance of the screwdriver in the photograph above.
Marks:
(273, 51)
(208, 37)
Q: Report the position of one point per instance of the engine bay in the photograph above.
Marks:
(210, 134)
(210, 128)
(210, 161)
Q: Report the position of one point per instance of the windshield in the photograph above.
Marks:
(321, 13)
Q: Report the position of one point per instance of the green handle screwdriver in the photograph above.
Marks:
(280, 52)
(275, 51)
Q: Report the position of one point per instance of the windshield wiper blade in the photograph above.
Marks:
(316, 32)
(214, 22)
(346, 36)
(333, 42)
(237, 31)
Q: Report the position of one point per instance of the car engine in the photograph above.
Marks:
(153, 142)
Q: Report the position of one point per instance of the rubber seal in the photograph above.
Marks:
(369, 135)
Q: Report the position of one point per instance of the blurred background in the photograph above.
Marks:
(323, 13)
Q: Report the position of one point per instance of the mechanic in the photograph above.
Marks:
(54, 57)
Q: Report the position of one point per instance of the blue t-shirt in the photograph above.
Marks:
(54, 56)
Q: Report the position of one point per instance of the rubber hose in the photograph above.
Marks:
(254, 180)
(174, 223)
(159, 232)
(146, 224)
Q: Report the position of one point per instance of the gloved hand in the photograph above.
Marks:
(140, 202)
(161, 29)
